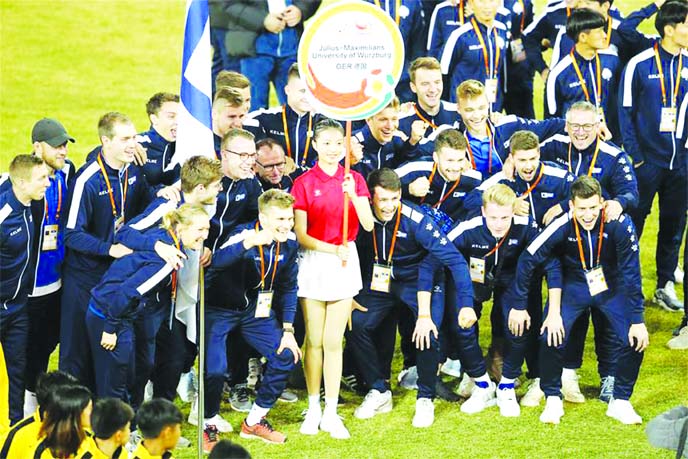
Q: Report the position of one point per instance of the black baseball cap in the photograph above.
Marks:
(51, 132)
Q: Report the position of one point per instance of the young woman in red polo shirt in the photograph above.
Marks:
(329, 273)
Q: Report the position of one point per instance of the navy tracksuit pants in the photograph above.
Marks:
(174, 355)
(382, 310)
(671, 185)
(263, 334)
(616, 311)
(518, 99)
(604, 343)
(14, 331)
(44, 334)
(146, 329)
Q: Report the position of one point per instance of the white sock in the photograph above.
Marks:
(483, 378)
(331, 405)
(314, 402)
(568, 373)
(256, 414)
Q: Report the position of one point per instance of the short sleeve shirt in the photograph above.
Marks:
(322, 198)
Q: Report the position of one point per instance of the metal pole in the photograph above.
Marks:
(201, 364)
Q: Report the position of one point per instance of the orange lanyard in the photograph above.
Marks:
(396, 10)
(173, 294)
(459, 13)
(394, 239)
(535, 183)
(489, 159)
(584, 86)
(594, 158)
(568, 12)
(110, 190)
(661, 77)
(447, 194)
(599, 241)
(262, 265)
(486, 58)
(523, 17)
(420, 115)
(609, 32)
(498, 245)
(287, 141)
(59, 200)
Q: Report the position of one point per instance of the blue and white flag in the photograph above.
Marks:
(194, 128)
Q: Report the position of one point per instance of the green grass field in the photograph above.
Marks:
(75, 60)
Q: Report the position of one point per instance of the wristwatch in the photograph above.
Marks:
(288, 330)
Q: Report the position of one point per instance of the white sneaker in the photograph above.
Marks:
(554, 410)
(218, 421)
(425, 413)
(30, 403)
(187, 386)
(623, 411)
(148, 391)
(667, 299)
(678, 275)
(466, 386)
(679, 342)
(193, 413)
(311, 421)
(570, 389)
(255, 369)
(183, 442)
(375, 402)
(452, 368)
(480, 399)
(507, 403)
(134, 438)
(333, 424)
(534, 395)
(408, 378)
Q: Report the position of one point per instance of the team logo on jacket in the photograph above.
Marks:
(684, 73)
(240, 197)
(404, 11)
(17, 231)
(607, 74)
(132, 180)
(517, 8)
(546, 195)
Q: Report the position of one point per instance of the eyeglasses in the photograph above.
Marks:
(271, 167)
(588, 127)
(243, 156)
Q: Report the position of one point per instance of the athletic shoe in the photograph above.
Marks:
(466, 386)
(571, 390)
(408, 378)
(219, 422)
(607, 389)
(425, 413)
(678, 275)
(183, 442)
(288, 396)
(262, 431)
(451, 368)
(350, 383)
(255, 369)
(333, 424)
(679, 342)
(239, 399)
(507, 403)
(193, 413)
(623, 411)
(677, 330)
(187, 386)
(554, 410)
(443, 392)
(30, 403)
(667, 299)
(480, 399)
(148, 391)
(375, 402)
(311, 422)
(134, 438)
(534, 395)
(210, 438)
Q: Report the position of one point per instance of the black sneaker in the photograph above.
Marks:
(239, 398)
(684, 322)
(444, 393)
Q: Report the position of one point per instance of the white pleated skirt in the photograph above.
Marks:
(322, 277)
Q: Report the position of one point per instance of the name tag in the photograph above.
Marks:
(596, 281)
(264, 304)
(667, 121)
(382, 276)
(477, 270)
(49, 237)
(491, 90)
(118, 223)
(518, 51)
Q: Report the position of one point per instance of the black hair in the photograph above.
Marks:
(225, 449)
(154, 415)
(110, 415)
(62, 427)
(583, 20)
(325, 124)
(384, 178)
(602, 2)
(48, 382)
(671, 13)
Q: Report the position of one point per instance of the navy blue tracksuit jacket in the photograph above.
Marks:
(159, 153)
(377, 155)
(447, 114)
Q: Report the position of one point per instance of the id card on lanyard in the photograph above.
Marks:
(477, 265)
(119, 218)
(382, 274)
(594, 276)
(50, 231)
(264, 301)
(491, 61)
(667, 120)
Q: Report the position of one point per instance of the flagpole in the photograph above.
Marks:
(347, 167)
(201, 364)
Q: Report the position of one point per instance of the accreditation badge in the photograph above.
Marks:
(264, 304)
(49, 237)
(477, 270)
(382, 277)
(119, 222)
(491, 85)
(667, 121)
(596, 281)
(518, 51)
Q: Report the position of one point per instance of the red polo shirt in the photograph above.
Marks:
(322, 198)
